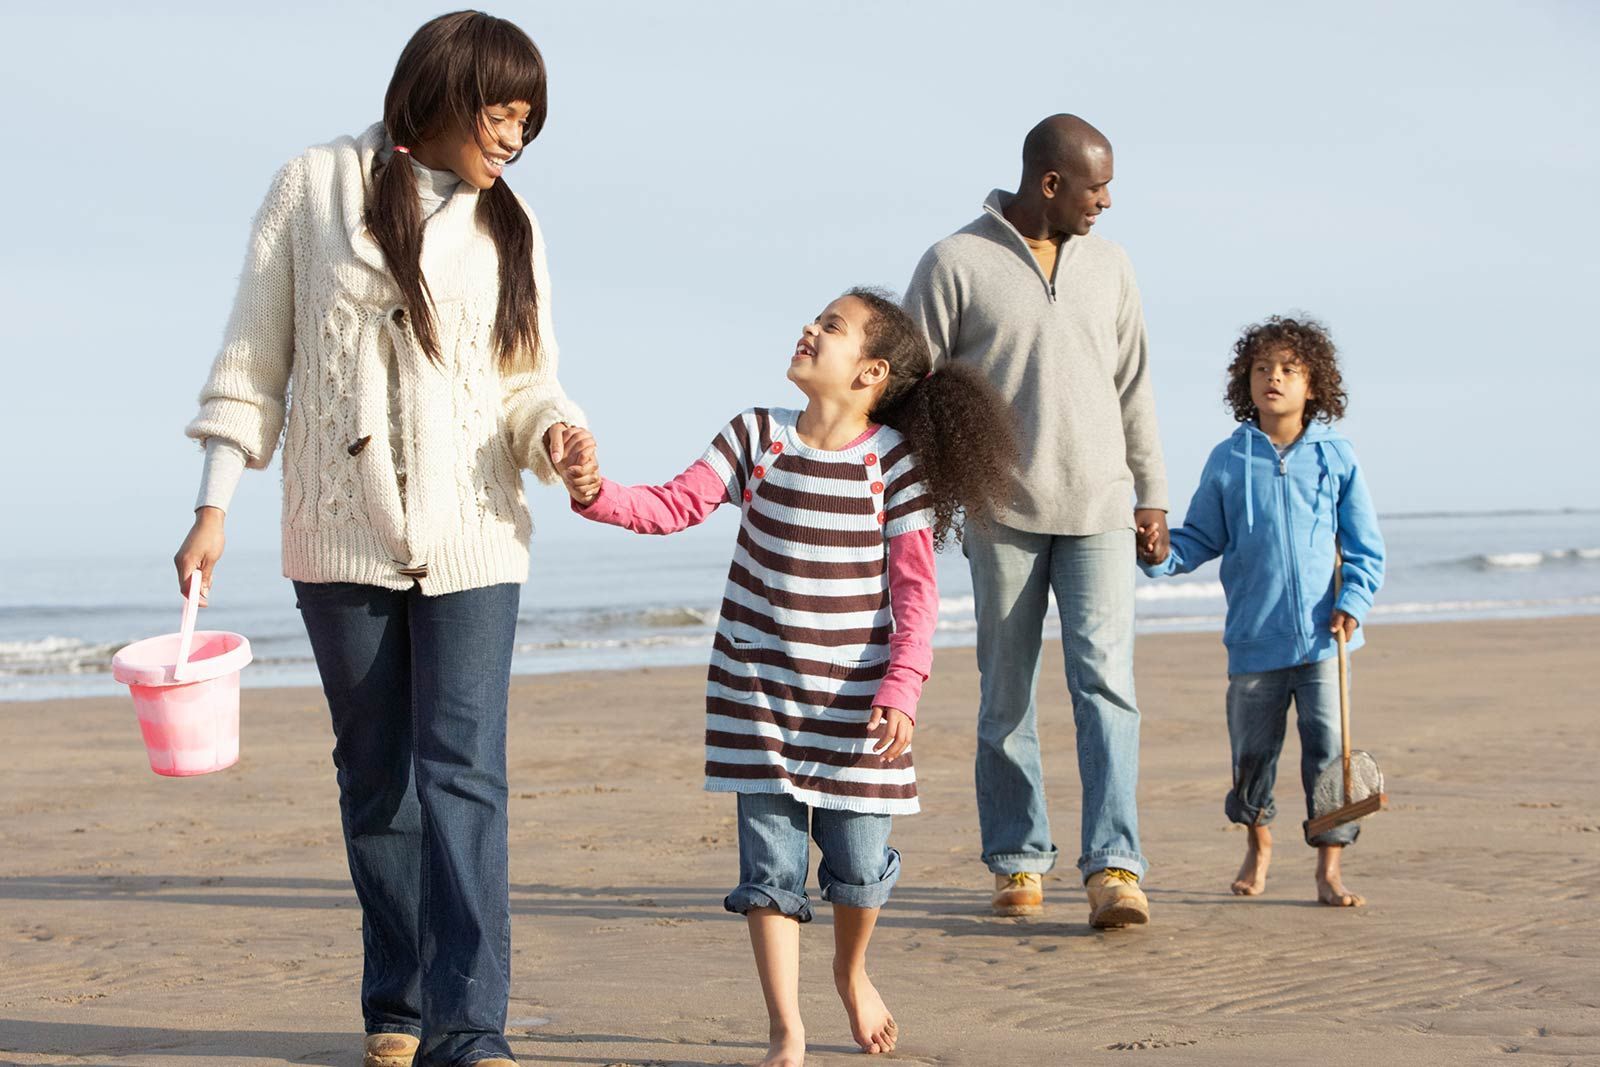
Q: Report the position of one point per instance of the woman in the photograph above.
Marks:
(395, 289)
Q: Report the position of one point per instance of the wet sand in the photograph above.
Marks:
(150, 921)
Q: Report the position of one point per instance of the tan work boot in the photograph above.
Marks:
(498, 1061)
(1018, 894)
(1115, 899)
(389, 1050)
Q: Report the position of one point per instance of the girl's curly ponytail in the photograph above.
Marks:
(957, 425)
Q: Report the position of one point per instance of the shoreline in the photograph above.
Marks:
(1383, 618)
(162, 922)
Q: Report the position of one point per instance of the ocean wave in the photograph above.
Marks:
(1526, 560)
(1479, 607)
(671, 616)
(1179, 591)
(56, 655)
(957, 605)
(569, 644)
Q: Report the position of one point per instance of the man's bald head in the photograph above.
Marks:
(1060, 143)
(1066, 178)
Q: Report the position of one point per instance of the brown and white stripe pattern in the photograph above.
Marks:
(803, 639)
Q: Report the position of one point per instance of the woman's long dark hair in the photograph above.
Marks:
(957, 425)
(452, 68)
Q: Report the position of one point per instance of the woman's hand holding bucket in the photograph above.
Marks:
(200, 551)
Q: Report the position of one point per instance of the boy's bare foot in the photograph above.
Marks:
(1252, 878)
(870, 1022)
(785, 1047)
(1333, 893)
(1330, 883)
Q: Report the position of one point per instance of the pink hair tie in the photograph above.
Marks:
(402, 148)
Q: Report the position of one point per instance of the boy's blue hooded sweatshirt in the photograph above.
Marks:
(1273, 522)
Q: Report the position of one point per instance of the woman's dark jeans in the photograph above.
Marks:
(417, 686)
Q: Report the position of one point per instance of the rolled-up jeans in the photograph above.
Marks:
(1013, 574)
(417, 687)
(1258, 712)
(858, 868)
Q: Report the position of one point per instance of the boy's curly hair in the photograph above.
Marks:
(955, 422)
(1312, 347)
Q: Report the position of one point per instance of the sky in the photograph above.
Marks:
(1421, 176)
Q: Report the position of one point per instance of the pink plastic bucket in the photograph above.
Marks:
(185, 687)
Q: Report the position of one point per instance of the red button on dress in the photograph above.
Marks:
(870, 458)
(880, 518)
(747, 495)
(777, 446)
(877, 487)
(761, 472)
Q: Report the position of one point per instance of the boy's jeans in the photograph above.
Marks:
(417, 686)
(1013, 573)
(858, 867)
(1258, 711)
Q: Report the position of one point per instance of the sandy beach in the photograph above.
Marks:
(150, 921)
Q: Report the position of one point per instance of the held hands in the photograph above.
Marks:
(574, 456)
(1342, 621)
(1152, 540)
(892, 728)
(200, 551)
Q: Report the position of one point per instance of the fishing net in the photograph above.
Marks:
(1327, 796)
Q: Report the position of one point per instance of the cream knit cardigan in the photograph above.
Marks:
(318, 331)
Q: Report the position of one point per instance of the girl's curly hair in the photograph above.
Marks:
(1312, 347)
(957, 425)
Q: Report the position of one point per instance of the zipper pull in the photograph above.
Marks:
(1283, 464)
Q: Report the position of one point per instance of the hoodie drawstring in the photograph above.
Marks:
(1249, 495)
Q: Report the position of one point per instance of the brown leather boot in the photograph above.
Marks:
(1018, 894)
(389, 1050)
(1115, 899)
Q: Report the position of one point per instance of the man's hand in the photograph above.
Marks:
(1342, 621)
(893, 728)
(580, 466)
(1153, 541)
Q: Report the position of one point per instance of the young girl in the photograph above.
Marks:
(824, 638)
(1276, 500)
(395, 287)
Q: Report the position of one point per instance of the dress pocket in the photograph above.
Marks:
(738, 655)
(859, 670)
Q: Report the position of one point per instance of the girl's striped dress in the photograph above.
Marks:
(803, 638)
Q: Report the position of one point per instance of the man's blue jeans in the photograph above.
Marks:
(417, 686)
(1013, 573)
(1258, 712)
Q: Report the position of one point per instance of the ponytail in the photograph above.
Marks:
(394, 216)
(956, 424)
(516, 318)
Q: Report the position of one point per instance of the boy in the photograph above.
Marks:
(1277, 500)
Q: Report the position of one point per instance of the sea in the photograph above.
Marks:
(615, 601)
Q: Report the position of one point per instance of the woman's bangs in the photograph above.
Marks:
(509, 70)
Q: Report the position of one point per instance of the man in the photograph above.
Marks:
(1050, 313)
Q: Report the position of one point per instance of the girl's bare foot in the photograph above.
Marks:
(1330, 883)
(1252, 878)
(786, 1047)
(870, 1022)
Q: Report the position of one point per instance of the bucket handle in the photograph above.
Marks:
(191, 609)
